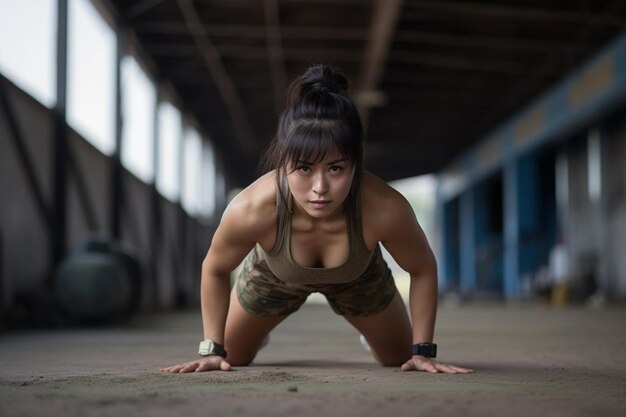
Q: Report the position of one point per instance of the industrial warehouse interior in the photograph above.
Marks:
(127, 127)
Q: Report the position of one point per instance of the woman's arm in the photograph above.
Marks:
(236, 235)
(231, 243)
(406, 242)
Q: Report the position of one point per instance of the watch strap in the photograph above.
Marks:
(427, 350)
(208, 347)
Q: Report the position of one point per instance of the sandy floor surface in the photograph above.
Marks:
(528, 360)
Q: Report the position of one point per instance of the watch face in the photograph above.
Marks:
(206, 347)
(209, 347)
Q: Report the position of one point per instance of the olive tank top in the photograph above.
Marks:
(282, 265)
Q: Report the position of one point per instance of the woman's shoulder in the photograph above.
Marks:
(253, 210)
(382, 205)
(375, 191)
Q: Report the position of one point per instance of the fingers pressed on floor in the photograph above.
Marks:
(448, 369)
(184, 369)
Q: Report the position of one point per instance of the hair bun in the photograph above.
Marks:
(323, 79)
(333, 83)
(317, 79)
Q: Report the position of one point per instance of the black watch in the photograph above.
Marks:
(208, 347)
(427, 350)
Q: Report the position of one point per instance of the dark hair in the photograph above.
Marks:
(319, 118)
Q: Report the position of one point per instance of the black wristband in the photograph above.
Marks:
(427, 350)
(220, 351)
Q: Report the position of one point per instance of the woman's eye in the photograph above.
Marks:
(336, 169)
(304, 169)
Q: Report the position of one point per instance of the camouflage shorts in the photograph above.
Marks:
(261, 293)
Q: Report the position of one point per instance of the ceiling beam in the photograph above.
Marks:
(255, 31)
(499, 10)
(551, 64)
(421, 59)
(385, 17)
(256, 52)
(384, 20)
(354, 34)
(476, 41)
(255, 4)
(224, 83)
(402, 83)
(275, 52)
(141, 7)
(439, 78)
(463, 62)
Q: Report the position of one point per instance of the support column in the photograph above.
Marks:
(156, 231)
(60, 141)
(597, 184)
(116, 197)
(182, 247)
(440, 250)
(468, 242)
(511, 229)
(528, 209)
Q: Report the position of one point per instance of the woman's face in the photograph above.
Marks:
(321, 188)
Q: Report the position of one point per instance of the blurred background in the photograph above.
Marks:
(126, 126)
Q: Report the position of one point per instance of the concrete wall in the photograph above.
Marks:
(26, 248)
(171, 265)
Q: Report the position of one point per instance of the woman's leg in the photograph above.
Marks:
(388, 333)
(245, 332)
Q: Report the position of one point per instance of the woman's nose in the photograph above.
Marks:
(320, 185)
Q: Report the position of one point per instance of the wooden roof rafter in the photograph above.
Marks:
(275, 52)
(384, 19)
(513, 12)
(223, 81)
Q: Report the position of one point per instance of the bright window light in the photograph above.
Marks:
(192, 163)
(28, 46)
(170, 134)
(207, 196)
(420, 192)
(562, 180)
(91, 75)
(138, 101)
(594, 165)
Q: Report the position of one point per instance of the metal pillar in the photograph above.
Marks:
(156, 230)
(60, 140)
(511, 229)
(441, 253)
(528, 215)
(181, 248)
(597, 177)
(468, 241)
(116, 190)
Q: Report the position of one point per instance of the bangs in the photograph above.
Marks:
(314, 140)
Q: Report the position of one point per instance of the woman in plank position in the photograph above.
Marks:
(313, 223)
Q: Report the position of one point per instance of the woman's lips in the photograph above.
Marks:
(319, 204)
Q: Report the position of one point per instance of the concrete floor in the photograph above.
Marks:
(528, 361)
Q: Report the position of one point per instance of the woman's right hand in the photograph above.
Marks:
(208, 363)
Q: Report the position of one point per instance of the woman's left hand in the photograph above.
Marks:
(420, 363)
